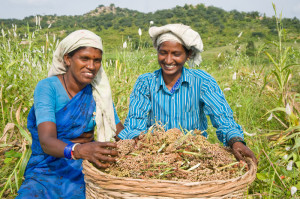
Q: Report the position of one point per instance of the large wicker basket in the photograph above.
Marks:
(102, 185)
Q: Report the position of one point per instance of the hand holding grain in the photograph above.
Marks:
(98, 153)
(240, 151)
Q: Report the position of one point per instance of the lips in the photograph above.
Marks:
(88, 75)
(169, 67)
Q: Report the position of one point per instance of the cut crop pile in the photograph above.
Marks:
(173, 155)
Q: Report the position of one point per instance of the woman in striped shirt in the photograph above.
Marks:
(180, 97)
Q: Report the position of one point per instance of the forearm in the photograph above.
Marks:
(129, 134)
(53, 146)
(48, 139)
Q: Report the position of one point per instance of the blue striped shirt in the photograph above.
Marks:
(198, 95)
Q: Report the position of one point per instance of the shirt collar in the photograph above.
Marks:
(185, 77)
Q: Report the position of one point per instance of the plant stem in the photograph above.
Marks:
(2, 105)
(271, 163)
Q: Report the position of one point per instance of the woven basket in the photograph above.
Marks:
(102, 185)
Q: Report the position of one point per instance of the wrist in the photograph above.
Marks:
(68, 151)
(75, 153)
(234, 140)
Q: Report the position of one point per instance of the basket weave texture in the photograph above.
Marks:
(102, 185)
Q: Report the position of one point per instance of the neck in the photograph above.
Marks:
(71, 86)
(171, 80)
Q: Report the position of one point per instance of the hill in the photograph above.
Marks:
(115, 25)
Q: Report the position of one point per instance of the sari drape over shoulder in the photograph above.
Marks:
(50, 177)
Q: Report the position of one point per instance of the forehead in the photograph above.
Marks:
(171, 46)
(89, 51)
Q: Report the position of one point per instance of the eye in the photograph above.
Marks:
(84, 59)
(177, 54)
(98, 61)
(162, 52)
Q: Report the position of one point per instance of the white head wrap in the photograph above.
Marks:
(105, 120)
(182, 34)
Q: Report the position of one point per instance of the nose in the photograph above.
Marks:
(91, 65)
(168, 59)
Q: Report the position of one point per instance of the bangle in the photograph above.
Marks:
(68, 150)
(72, 151)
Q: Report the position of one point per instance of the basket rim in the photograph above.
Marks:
(250, 173)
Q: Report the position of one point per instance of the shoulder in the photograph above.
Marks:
(48, 82)
(146, 82)
(148, 78)
(200, 75)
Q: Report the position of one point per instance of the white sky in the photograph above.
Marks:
(21, 8)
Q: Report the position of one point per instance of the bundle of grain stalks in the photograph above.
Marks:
(167, 163)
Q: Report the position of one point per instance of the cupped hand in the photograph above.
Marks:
(99, 153)
(240, 151)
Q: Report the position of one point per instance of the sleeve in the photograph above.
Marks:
(139, 107)
(44, 102)
(117, 120)
(220, 113)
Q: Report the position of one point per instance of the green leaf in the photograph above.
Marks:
(271, 58)
(13, 153)
(286, 79)
(298, 185)
(24, 134)
(7, 160)
(297, 143)
(298, 164)
(9, 65)
(295, 157)
(261, 176)
(265, 83)
(16, 180)
(290, 65)
(25, 158)
(278, 78)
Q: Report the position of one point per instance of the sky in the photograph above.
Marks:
(19, 9)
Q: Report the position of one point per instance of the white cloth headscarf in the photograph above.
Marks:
(105, 120)
(182, 34)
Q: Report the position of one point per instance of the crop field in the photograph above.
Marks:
(263, 91)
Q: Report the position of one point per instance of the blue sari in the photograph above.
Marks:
(50, 177)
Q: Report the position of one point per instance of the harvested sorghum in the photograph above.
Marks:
(173, 155)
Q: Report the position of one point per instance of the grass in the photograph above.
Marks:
(24, 60)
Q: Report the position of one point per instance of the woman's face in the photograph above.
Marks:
(84, 65)
(171, 58)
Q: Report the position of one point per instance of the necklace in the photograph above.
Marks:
(66, 86)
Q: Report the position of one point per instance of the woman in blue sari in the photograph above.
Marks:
(68, 104)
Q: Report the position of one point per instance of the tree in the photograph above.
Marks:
(250, 49)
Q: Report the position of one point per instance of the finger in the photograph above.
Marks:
(104, 151)
(238, 155)
(250, 154)
(107, 144)
(100, 165)
(106, 158)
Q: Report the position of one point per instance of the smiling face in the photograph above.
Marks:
(83, 65)
(171, 58)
